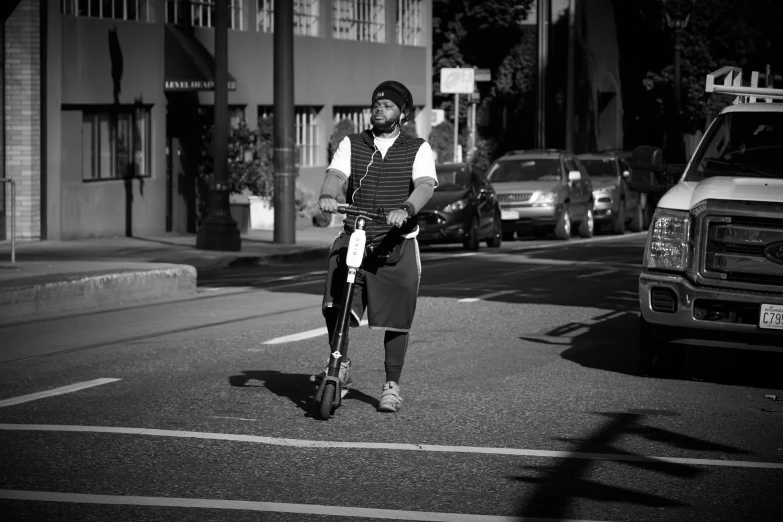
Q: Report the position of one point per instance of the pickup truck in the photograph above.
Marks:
(713, 262)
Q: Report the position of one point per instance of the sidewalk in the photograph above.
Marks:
(54, 276)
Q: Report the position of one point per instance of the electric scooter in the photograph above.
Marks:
(329, 395)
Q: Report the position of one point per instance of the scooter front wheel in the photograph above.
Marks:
(327, 400)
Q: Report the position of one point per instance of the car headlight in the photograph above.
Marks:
(610, 188)
(457, 205)
(668, 247)
(545, 199)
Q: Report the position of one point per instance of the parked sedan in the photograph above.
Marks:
(616, 206)
(463, 209)
(542, 191)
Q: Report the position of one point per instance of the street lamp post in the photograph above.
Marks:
(678, 23)
(219, 231)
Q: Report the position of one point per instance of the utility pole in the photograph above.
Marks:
(542, 27)
(676, 147)
(285, 140)
(219, 231)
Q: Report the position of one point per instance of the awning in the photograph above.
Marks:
(188, 65)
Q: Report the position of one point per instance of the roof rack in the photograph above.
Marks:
(732, 84)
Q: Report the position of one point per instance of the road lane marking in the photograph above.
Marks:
(486, 296)
(301, 443)
(304, 335)
(56, 391)
(596, 274)
(277, 507)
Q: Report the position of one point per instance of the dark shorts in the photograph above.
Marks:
(387, 291)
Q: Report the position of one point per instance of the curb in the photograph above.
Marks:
(85, 291)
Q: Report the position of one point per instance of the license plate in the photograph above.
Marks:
(771, 317)
(509, 214)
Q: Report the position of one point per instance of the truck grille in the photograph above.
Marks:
(731, 249)
(520, 197)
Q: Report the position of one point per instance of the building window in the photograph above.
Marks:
(136, 10)
(201, 13)
(305, 16)
(362, 20)
(307, 132)
(410, 16)
(115, 143)
(360, 116)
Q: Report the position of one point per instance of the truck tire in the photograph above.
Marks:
(656, 357)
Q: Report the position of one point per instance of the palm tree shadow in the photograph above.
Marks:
(295, 387)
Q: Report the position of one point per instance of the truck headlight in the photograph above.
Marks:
(545, 199)
(457, 205)
(668, 246)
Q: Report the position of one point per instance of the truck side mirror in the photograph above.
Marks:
(648, 173)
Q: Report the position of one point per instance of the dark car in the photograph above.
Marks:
(616, 206)
(542, 191)
(463, 209)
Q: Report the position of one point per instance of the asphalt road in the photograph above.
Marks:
(522, 401)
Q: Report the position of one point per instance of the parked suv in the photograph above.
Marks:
(713, 264)
(616, 206)
(463, 209)
(542, 191)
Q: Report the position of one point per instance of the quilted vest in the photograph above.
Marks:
(378, 182)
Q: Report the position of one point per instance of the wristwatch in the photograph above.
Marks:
(407, 207)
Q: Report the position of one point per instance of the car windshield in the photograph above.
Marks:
(600, 168)
(740, 144)
(524, 170)
(449, 180)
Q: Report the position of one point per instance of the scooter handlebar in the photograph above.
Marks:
(378, 216)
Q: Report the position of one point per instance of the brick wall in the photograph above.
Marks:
(23, 117)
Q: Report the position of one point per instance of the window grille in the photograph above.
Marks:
(362, 20)
(409, 22)
(306, 131)
(201, 13)
(115, 143)
(306, 16)
(134, 10)
(360, 116)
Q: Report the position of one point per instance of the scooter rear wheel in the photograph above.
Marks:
(327, 400)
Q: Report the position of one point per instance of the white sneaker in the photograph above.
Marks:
(344, 376)
(390, 398)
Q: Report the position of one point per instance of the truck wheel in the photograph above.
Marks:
(619, 220)
(563, 227)
(587, 226)
(656, 357)
(637, 221)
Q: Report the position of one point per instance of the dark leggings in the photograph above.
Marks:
(395, 346)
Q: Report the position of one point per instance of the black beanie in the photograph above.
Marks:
(387, 92)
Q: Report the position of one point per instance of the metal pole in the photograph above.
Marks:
(13, 216)
(456, 124)
(285, 140)
(219, 230)
(571, 77)
(542, 15)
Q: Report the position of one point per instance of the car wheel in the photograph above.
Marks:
(587, 226)
(619, 220)
(637, 221)
(472, 241)
(656, 357)
(497, 233)
(563, 227)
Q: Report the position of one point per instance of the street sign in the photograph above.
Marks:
(482, 75)
(456, 80)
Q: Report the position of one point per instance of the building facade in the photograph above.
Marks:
(103, 99)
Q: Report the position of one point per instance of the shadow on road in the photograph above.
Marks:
(558, 485)
(295, 387)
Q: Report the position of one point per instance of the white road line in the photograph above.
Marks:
(303, 335)
(596, 274)
(56, 391)
(300, 443)
(486, 296)
(278, 507)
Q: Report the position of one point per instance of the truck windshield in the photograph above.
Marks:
(740, 144)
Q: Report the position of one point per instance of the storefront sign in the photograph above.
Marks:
(194, 85)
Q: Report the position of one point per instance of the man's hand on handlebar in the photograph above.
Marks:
(397, 217)
(328, 205)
